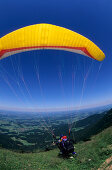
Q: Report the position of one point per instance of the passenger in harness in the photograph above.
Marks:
(65, 145)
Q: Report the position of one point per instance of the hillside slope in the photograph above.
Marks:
(103, 123)
(90, 155)
(90, 120)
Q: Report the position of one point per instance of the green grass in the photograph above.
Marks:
(90, 155)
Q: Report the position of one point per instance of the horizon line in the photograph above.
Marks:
(58, 109)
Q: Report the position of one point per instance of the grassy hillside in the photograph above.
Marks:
(90, 155)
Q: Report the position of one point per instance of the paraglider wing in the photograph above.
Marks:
(47, 36)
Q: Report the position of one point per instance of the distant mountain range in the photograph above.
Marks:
(70, 110)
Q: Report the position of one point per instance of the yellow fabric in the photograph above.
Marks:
(48, 35)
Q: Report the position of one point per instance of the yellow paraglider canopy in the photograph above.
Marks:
(47, 36)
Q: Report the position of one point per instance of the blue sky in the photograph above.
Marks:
(61, 74)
